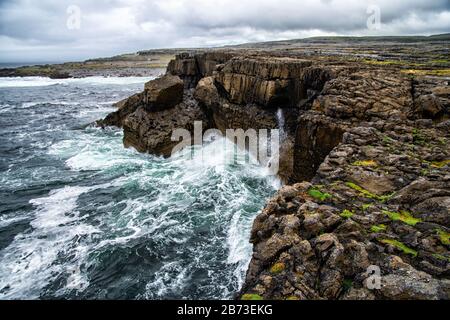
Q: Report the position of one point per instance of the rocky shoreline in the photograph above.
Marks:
(141, 64)
(365, 160)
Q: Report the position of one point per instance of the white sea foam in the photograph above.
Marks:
(29, 263)
(8, 219)
(17, 82)
(169, 193)
(172, 277)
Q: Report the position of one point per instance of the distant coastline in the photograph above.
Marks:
(25, 64)
(141, 64)
(153, 62)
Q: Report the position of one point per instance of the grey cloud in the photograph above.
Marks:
(36, 30)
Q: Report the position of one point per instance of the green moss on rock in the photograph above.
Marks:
(400, 246)
(347, 214)
(444, 237)
(378, 228)
(441, 257)
(347, 284)
(440, 164)
(250, 296)
(367, 194)
(277, 268)
(402, 216)
(365, 163)
(319, 195)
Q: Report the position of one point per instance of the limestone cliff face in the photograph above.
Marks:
(193, 67)
(249, 91)
(377, 157)
(365, 154)
(268, 82)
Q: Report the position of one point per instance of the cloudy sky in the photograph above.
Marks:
(60, 30)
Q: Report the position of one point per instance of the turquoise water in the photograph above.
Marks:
(83, 218)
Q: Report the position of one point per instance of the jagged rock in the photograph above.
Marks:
(316, 136)
(152, 131)
(193, 67)
(375, 195)
(359, 294)
(366, 95)
(163, 93)
(431, 99)
(407, 283)
(374, 182)
(125, 108)
(429, 106)
(159, 94)
(206, 92)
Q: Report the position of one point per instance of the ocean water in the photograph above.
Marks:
(81, 217)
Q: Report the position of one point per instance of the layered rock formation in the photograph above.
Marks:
(365, 150)
(150, 118)
(378, 196)
(381, 199)
(193, 67)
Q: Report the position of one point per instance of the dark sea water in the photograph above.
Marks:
(22, 64)
(83, 218)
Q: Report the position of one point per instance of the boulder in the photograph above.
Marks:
(206, 92)
(152, 131)
(163, 93)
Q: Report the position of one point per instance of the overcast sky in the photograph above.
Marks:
(48, 30)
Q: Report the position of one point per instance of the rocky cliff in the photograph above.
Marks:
(365, 157)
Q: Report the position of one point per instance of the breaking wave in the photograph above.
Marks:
(83, 217)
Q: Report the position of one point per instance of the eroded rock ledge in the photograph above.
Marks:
(366, 157)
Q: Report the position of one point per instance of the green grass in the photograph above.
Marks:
(440, 164)
(347, 284)
(400, 246)
(388, 140)
(444, 237)
(441, 257)
(418, 137)
(402, 216)
(365, 163)
(378, 228)
(440, 61)
(319, 195)
(347, 214)
(420, 72)
(381, 63)
(249, 297)
(367, 194)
